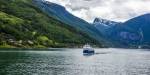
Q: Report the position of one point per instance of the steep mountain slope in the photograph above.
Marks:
(133, 32)
(60, 13)
(103, 25)
(22, 24)
(141, 23)
(107, 27)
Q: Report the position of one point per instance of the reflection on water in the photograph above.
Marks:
(73, 62)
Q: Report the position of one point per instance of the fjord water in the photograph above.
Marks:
(73, 62)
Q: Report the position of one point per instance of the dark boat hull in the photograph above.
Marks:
(88, 52)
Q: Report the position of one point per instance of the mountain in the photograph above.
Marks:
(61, 14)
(106, 28)
(104, 22)
(103, 25)
(133, 32)
(141, 26)
(23, 24)
(39, 23)
(130, 34)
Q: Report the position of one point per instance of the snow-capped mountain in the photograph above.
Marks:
(104, 22)
(104, 25)
(130, 33)
(133, 32)
(60, 13)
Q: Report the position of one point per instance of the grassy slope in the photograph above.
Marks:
(24, 25)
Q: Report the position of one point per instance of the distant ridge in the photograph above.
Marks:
(128, 34)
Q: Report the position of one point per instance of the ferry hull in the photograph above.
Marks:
(88, 52)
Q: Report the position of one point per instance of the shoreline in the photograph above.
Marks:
(35, 49)
(55, 49)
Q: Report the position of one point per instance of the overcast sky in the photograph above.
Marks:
(116, 10)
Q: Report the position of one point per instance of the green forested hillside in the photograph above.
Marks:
(23, 25)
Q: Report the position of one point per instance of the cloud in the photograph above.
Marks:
(116, 10)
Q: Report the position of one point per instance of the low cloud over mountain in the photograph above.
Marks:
(117, 10)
